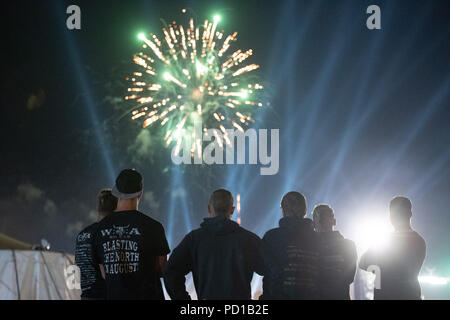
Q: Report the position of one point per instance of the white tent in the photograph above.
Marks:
(27, 274)
(37, 275)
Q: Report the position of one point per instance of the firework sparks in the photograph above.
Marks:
(188, 75)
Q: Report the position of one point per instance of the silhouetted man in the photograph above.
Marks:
(221, 255)
(292, 252)
(337, 259)
(401, 259)
(131, 247)
(92, 282)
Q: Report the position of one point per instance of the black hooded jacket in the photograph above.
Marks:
(291, 254)
(337, 265)
(222, 257)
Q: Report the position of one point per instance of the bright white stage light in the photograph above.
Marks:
(433, 280)
(372, 232)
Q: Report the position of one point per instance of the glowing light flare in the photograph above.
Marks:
(434, 280)
(372, 232)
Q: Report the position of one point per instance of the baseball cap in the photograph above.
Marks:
(128, 184)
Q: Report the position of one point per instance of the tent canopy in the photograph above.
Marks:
(38, 275)
(7, 242)
(27, 274)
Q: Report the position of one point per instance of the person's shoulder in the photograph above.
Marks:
(349, 242)
(350, 246)
(249, 234)
(271, 233)
(107, 219)
(411, 235)
(419, 238)
(418, 235)
(87, 236)
(194, 234)
(146, 217)
(88, 230)
(149, 220)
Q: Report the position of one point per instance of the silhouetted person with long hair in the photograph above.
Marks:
(337, 259)
(92, 282)
(292, 252)
(221, 255)
(400, 259)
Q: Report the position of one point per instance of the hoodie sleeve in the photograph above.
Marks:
(367, 259)
(259, 259)
(352, 258)
(273, 273)
(179, 265)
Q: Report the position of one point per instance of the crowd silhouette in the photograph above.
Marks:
(124, 254)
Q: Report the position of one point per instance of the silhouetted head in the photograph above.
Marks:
(323, 217)
(106, 203)
(400, 213)
(221, 204)
(128, 189)
(293, 204)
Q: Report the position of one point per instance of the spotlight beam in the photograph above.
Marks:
(438, 100)
(383, 90)
(82, 81)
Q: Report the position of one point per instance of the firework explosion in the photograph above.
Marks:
(188, 78)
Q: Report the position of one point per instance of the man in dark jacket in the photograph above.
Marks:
(400, 260)
(337, 260)
(291, 252)
(221, 255)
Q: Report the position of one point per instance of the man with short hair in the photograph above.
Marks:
(221, 255)
(131, 247)
(401, 259)
(92, 282)
(292, 252)
(337, 259)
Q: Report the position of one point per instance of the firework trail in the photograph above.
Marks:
(192, 76)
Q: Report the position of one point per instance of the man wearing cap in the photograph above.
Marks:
(130, 247)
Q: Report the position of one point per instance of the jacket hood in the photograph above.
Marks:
(219, 225)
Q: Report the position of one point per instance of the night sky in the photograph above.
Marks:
(363, 115)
